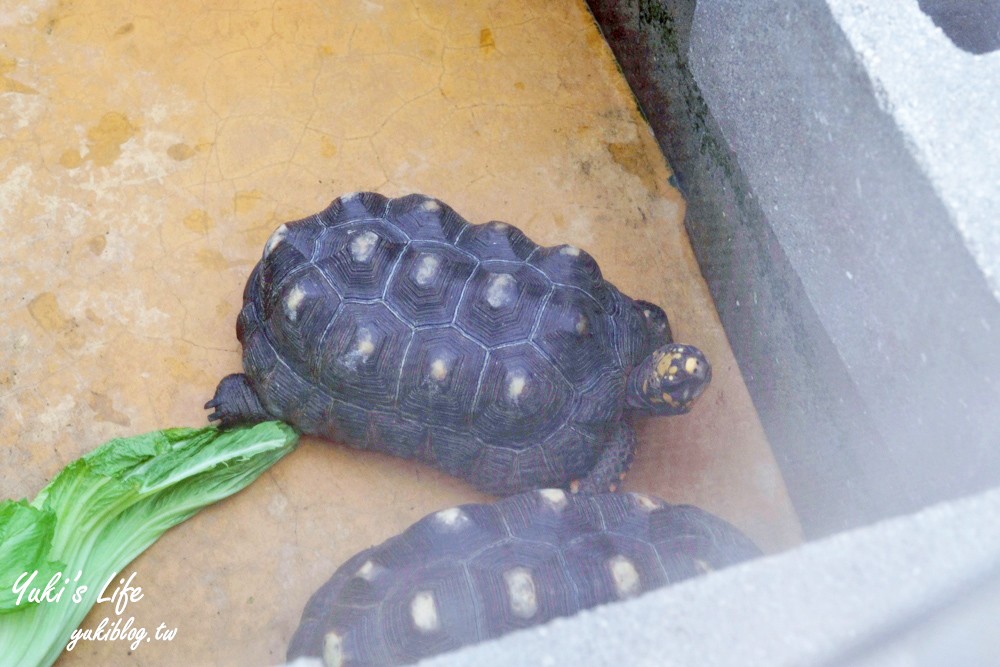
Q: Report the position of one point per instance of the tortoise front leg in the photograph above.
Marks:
(612, 463)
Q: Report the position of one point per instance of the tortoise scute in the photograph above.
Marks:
(259, 361)
(440, 375)
(437, 616)
(298, 313)
(359, 258)
(568, 265)
(629, 336)
(501, 306)
(428, 283)
(276, 267)
(610, 567)
(522, 399)
(425, 219)
(285, 387)
(362, 353)
(573, 451)
(690, 530)
(497, 240)
(247, 323)
(575, 335)
(354, 206)
(474, 572)
(521, 593)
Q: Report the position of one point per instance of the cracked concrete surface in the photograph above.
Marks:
(146, 153)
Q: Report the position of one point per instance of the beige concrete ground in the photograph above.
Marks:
(147, 150)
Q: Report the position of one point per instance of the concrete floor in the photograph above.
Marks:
(147, 150)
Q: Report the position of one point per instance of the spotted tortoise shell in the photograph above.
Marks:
(395, 325)
(475, 572)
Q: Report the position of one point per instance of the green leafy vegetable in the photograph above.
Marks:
(102, 511)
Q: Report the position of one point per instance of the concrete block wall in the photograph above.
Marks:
(841, 162)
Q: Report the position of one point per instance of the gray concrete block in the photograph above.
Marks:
(972, 25)
(944, 100)
(840, 164)
(805, 607)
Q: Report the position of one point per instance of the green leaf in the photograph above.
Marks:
(25, 536)
(106, 508)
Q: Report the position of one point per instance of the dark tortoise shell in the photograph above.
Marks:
(395, 325)
(474, 572)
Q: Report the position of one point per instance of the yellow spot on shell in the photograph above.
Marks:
(554, 497)
(333, 650)
(703, 565)
(293, 302)
(363, 245)
(500, 291)
(423, 609)
(426, 269)
(570, 250)
(624, 575)
(366, 346)
(439, 370)
(515, 387)
(453, 517)
(366, 571)
(691, 364)
(277, 237)
(646, 502)
(521, 592)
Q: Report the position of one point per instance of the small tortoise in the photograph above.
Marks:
(395, 325)
(475, 572)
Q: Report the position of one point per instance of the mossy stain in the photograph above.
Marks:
(198, 221)
(44, 309)
(486, 41)
(71, 158)
(106, 138)
(180, 152)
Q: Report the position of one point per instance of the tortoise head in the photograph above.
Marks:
(669, 380)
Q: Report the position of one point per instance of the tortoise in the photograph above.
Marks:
(477, 571)
(396, 325)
